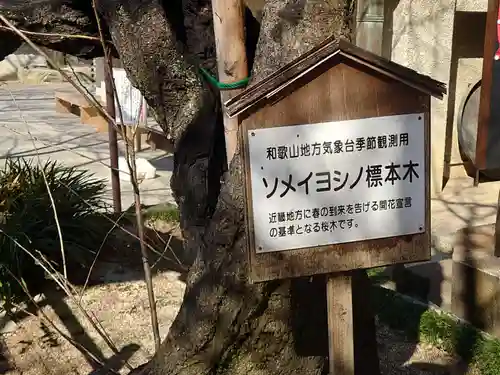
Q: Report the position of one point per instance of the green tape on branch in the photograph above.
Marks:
(224, 86)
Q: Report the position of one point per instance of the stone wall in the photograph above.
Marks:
(24, 57)
(443, 39)
(27, 65)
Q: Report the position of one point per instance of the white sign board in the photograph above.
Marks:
(130, 99)
(337, 182)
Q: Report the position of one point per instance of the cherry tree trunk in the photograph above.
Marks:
(225, 324)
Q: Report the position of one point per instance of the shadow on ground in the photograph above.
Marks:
(120, 259)
(163, 163)
(116, 362)
(426, 287)
(5, 363)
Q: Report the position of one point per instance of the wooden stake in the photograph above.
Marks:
(113, 137)
(231, 58)
(340, 324)
(351, 325)
(496, 250)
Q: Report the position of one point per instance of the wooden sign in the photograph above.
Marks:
(330, 142)
(133, 106)
(487, 148)
(330, 183)
(336, 168)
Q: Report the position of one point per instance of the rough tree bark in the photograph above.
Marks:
(57, 17)
(225, 324)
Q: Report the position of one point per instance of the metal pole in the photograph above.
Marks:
(113, 137)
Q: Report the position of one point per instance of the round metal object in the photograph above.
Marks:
(467, 129)
(467, 122)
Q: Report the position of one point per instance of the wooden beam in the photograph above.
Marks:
(487, 85)
(496, 250)
(340, 324)
(231, 58)
(352, 339)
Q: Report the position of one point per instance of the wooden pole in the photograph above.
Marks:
(352, 343)
(143, 120)
(496, 250)
(113, 137)
(231, 58)
(490, 56)
(340, 324)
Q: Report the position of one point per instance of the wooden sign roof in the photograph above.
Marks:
(323, 56)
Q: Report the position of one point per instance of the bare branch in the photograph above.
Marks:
(67, 36)
(130, 158)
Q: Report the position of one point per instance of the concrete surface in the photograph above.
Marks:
(443, 39)
(461, 205)
(476, 275)
(472, 5)
(12, 64)
(437, 277)
(62, 137)
(422, 33)
(458, 206)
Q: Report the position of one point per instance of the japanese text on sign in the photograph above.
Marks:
(337, 182)
(338, 146)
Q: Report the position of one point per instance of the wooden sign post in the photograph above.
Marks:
(487, 148)
(337, 157)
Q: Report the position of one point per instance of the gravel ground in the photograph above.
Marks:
(122, 309)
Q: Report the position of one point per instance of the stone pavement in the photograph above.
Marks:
(30, 127)
(461, 204)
